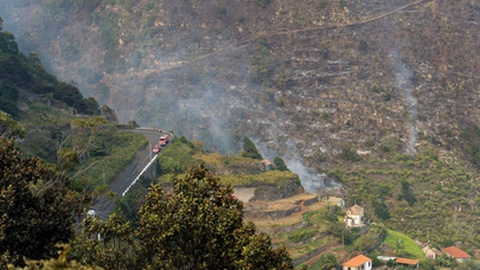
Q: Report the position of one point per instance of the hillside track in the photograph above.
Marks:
(248, 42)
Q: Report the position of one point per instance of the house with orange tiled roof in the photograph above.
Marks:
(359, 262)
(267, 164)
(407, 262)
(355, 216)
(456, 253)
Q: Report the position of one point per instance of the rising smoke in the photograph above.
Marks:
(403, 80)
(311, 180)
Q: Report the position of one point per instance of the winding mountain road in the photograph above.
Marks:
(104, 206)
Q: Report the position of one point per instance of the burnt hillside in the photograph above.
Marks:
(315, 72)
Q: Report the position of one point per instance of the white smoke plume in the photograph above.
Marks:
(311, 180)
(403, 79)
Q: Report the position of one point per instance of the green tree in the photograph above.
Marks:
(200, 226)
(468, 265)
(391, 263)
(398, 246)
(109, 114)
(1, 23)
(35, 206)
(349, 154)
(250, 150)
(280, 164)
(67, 159)
(69, 94)
(407, 193)
(9, 95)
(8, 44)
(165, 165)
(84, 133)
(106, 244)
(338, 229)
(90, 106)
(328, 262)
(381, 210)
(446, 261)
(9, 127)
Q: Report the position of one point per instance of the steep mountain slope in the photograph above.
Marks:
(317, 71)
(55, 123)
(370, 91)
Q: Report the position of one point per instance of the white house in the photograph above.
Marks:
(359, 262)
(355, 216)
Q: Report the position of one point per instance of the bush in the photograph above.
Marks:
(302, 235)
(167, 165)
(407, 193)
(381, 210)
(350, 154)
(280, 164)
(250, 150)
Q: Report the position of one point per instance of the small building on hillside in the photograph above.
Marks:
(267, 164)
(407, 262)
(355, 216)
(431, 253)
(455, 252)
(359, 262)
(337, 201)
(400, 261)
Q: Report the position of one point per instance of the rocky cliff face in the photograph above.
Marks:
(308, 80)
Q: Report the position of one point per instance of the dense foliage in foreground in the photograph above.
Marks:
(35, 207)
(197, 226)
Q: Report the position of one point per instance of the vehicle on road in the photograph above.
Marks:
(156, 148)
(163, 140)
(91, 213)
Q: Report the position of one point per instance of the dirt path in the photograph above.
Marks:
(248, 42)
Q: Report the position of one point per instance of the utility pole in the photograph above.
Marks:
(150, 149)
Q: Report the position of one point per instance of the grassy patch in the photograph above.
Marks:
(272, 177)
(400, 242)
(120, 156)
(301, 235)
(181, 152)
(215, 158)
(298, 251)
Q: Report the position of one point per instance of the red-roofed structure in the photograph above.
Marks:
(456, 253)
(359, 262)
(407, 262)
